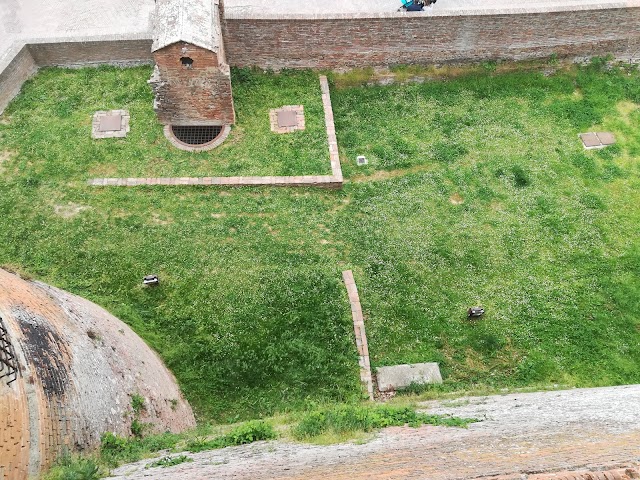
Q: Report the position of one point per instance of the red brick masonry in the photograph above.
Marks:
(358, 41)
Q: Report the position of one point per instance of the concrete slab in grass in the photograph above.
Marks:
(398, 377)
(606, 138)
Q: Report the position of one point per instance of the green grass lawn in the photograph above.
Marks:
(55, 112)
(477, 192)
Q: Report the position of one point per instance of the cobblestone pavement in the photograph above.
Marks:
(520, 436)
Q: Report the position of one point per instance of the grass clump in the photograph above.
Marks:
(116, 450)
(365, 418)
(165, 462)
(69, 467)
(248, 432)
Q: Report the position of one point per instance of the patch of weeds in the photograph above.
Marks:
(249, 432)
(610, 152)
(449, 151)
(366, 418)
(138, 428)
(165, 462)
(70, 467)
(137, 404)
(487, 343)
(611, 171)
(592, 201)
(353, 78)
(115, 450)
(521, 177)
(489, 66)
(138, 407)
(586, 164)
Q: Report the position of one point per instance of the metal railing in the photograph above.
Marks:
(9, 368)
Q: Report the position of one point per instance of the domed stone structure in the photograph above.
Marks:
(68, 371)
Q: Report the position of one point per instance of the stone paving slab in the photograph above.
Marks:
(593, 140)
(397, 377)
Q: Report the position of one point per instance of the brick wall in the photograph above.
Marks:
(358, 41)
(70, 54)
(20, 69)
(199, 95)
(114, 52)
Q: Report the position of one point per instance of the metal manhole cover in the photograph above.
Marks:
(287, 118)
(110, 123)
(196, 135)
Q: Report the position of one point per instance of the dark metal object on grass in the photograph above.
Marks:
(475, 312)
(151, 280)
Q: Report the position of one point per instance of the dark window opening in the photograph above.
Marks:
(186, 62)
(196, 135)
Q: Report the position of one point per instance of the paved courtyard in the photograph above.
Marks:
(34, 21)
(288, 7)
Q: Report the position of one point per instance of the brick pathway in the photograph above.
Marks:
(327, 181)
(529, 436)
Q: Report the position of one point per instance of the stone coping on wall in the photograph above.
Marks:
(7, 56)
(334, 180)
(496, 10)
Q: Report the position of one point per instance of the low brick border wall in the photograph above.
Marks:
(334, 180)
(358, 328)
(27, 56)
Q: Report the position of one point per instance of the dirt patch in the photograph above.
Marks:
(388, 174)
(625, 109)
(5, 156)
(341, 206)
(70, 210)
(104, 171)
(158, 219)
(456, 199)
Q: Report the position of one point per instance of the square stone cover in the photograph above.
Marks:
(590, 140)
(287, 118)
(606, 138)
(110, 123)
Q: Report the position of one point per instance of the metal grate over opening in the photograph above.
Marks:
(9, 368)
(196, 135)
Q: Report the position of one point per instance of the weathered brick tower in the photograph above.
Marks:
(191, 81)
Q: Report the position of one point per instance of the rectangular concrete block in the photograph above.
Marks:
(398, 377)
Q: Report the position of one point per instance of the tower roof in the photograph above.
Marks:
(193, 21)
